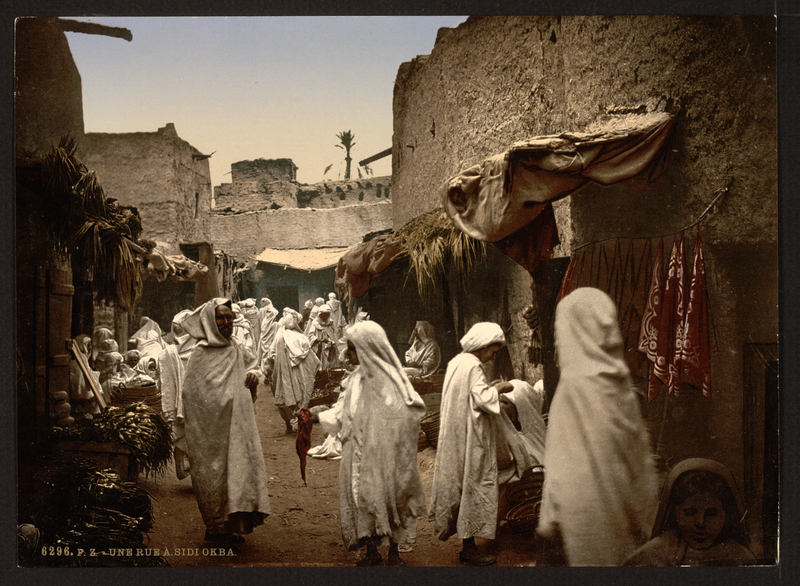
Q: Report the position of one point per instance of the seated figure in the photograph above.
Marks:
(424, 357)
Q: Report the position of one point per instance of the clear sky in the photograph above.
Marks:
(255, 87)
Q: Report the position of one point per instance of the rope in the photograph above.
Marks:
(718, 194)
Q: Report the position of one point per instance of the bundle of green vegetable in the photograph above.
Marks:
(137, 427)
(91, 517)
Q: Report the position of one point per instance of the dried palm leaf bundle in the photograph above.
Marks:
(434, 248)
(95, 231)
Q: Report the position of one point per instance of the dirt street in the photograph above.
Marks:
(303, 527)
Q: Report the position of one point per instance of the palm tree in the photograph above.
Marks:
(347, 143)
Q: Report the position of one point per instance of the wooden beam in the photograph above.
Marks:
(93, 28)
(380, 155)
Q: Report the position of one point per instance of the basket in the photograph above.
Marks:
(326, 382)
(429, 384)
(430, 427)
(526, 489)
(149, 395)
(524, 518)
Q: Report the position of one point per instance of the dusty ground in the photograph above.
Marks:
(303, 527)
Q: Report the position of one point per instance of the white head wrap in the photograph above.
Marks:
(202, 324)
(481, 335)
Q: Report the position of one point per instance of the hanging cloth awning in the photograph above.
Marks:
(304, 259)
(176, 267)
(361, 263)
(497, 200)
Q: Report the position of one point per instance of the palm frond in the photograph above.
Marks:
(434, 247)
(85, 226)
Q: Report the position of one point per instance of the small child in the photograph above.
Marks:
(699, 522)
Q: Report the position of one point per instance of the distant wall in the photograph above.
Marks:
(250, 193)
(245, 235)
(264, 170)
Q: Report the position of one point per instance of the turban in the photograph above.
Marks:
(481, 335)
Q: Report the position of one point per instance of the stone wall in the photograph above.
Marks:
(161, 174)
(332, 194)
(251, 196)
(264, 170)
(497, 80)
(247, 234)
(251, 192)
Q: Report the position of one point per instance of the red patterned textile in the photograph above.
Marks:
(648, 335)
(671, 318)
(694, 363)
(621, 268)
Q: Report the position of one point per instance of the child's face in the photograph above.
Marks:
(700, 519)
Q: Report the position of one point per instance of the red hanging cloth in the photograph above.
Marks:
(303, 442)
(677, 331)
(651, 321)
(694, 363)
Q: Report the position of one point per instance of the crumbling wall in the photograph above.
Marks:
(255, 195)
(264, 170)
(167, 179)
(332, 194)
(251, 192)
(496, 80)
(247, 234)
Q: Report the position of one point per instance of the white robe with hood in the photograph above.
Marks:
(228, 473)
(380, 491)
(600, 483)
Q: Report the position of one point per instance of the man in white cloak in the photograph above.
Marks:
(183, 341)
(268, 327)
(252, 314)
(520, 443)
(380, 491)
(336, 315)
(322, 338)
(295, 366)
(315, 309)
(464, 494)
(242, 330)
(228, 473)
